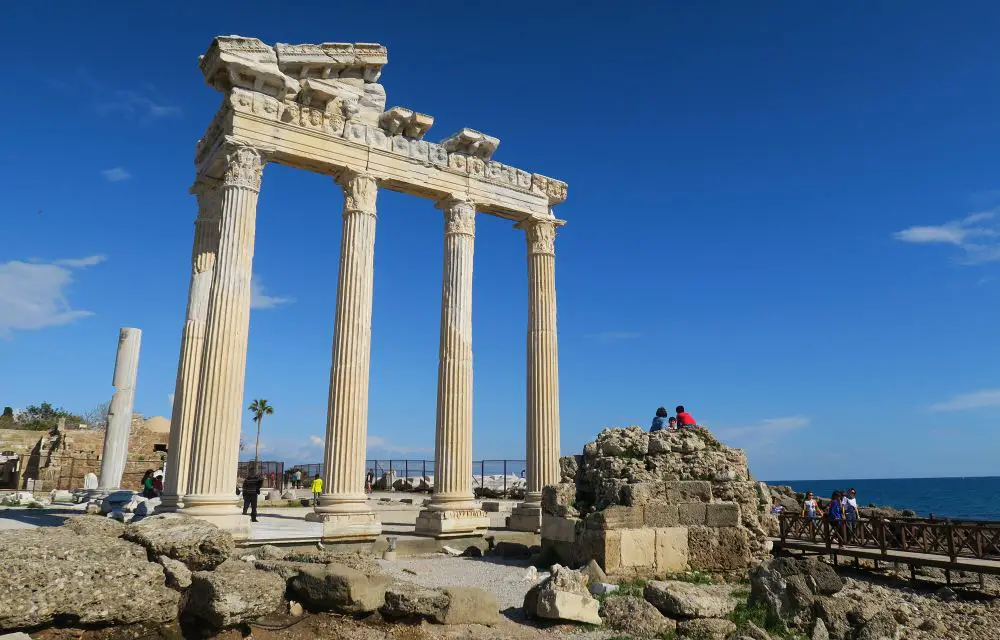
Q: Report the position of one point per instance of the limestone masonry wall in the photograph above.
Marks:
(652, 504)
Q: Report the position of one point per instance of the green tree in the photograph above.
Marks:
(7, 419)
(44, 417)
(259, 409)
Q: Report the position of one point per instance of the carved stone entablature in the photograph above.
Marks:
(473, 143)
(235, 61)
(328, 91)
(399, 120)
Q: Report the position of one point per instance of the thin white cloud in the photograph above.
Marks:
(764, 431)
(316, 440)
(260, 300)
(382, 445)
(608, 337)
(116, 174)
(143, 104)
(33, 294)
(170, 398)
(291, 450)
(89, 261)
(976, 234)
(965, 401)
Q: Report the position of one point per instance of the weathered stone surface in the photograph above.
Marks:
(55, 574)
(177, 573)
(564, 596)
(407, 602)
(685, 600)
(660, 515)
(671, 549)
(198, 544)
(789, 587)
(559, 500)
(286, 569)
(632, 442)
(335, 587)
(468, 605)
(881, 626)
(722, 514)
(270, 552)
(836, 614)
(705, 629)
(635, 617)
(718, 549)
(94, 526)
(559, 528)
(638, 548)
(616, 517)
(691, 513)
(678, 491)
(819, 631)
(594, 573)
(234, 592)
(568, 468)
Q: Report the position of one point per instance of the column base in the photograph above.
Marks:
(348, 527)
(525, 517)
(222, 511)
(170, 504)
(458, 523)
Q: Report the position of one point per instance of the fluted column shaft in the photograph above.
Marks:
(543, 360)
(347, 413)
(206, 244)
(218, 416)
(453, 431)
(119, 427)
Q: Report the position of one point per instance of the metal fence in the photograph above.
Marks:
(488, 476)
(272, 473)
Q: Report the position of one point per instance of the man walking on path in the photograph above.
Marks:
(251, 490)
(317, 489)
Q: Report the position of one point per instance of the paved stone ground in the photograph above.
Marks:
(275, 523)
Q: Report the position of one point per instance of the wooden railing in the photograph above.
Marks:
(950, 538)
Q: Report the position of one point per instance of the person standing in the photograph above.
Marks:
(297, 479)
(685, 419)
(851, 512)
(251, 491)
(369, 481)
(317, 489)
(810, 507)
(158, 482)
(659, 421)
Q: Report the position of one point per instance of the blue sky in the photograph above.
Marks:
(781, 215)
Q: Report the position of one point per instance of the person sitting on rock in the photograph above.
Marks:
(660, 421)
(776, 507)
(684, 419)
(158, 482)
(672, 423)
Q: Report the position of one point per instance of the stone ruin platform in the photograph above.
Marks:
(654, 504)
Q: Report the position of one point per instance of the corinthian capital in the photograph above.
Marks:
(244, 167)
(459, 215)
(540, 234)
(209, 194)
(360, 191)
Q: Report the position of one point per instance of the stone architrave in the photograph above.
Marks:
(120, 414)
(210, 493)
(206, 244)
(452, 511)
(343, 508)
(542, 451)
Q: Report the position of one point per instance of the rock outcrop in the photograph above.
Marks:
(652, 504)
(338, 588)
(198, 544)
(443, 606)
(234, 592)
(563, 596)
(56, 576)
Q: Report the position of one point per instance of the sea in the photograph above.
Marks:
(975, 498)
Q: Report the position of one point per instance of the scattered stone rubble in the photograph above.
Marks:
(652, 504)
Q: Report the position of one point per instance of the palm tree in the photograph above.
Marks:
(259, 408)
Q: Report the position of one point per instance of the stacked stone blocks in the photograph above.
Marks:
(621, 506)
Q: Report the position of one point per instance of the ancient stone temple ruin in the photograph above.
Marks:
(652, 504)
(320, 107)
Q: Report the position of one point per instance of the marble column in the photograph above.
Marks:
(343, 508)
(452, 511)
(211, 486)
(119, 428)
(206, 244)
(542, 423)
